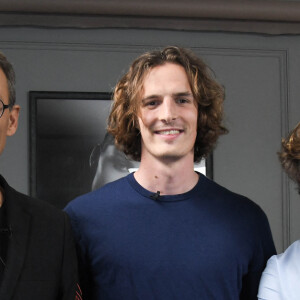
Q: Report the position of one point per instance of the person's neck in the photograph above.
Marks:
(169, 178)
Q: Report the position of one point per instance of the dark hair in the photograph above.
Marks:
(8, 70)
(290, 155)
(208, 93)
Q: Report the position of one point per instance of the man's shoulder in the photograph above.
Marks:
(282, 270)
(235, 201)
(288, 264)
(290, 256)
(103, 196)
(36, 207)
(217, 189)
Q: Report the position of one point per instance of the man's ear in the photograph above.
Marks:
(13, 120)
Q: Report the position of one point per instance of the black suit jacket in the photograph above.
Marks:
(41, 260)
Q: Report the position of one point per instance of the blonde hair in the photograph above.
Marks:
(290, 154)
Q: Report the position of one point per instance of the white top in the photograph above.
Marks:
(281, 278)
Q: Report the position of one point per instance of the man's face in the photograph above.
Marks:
(9, 119)
(168, 114)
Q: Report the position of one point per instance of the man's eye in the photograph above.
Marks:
(182, 100)
(151, 103)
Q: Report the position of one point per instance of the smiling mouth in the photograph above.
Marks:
(169, 132)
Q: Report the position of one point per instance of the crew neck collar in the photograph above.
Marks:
(164, 198)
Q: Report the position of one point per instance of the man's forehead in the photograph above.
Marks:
(171, 78)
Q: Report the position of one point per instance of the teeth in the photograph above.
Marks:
(169, 132)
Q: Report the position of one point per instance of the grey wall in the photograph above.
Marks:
(260, 74)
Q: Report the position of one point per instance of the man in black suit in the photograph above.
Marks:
(37, 254)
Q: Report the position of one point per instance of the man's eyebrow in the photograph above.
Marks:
(183, 94)
(151, 97)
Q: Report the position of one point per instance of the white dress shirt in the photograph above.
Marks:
(281, 278)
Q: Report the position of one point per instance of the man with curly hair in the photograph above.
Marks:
(166, 231)
(280, 280)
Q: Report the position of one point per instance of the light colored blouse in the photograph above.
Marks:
(281, 278)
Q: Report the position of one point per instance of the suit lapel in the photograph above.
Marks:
(19, 221)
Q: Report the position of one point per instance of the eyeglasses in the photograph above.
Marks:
(3, 107)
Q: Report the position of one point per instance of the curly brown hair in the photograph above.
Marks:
(290, 155)
(208, 93)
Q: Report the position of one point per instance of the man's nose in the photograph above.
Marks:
(168, 110)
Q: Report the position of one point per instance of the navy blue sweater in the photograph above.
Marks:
(208, 243)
